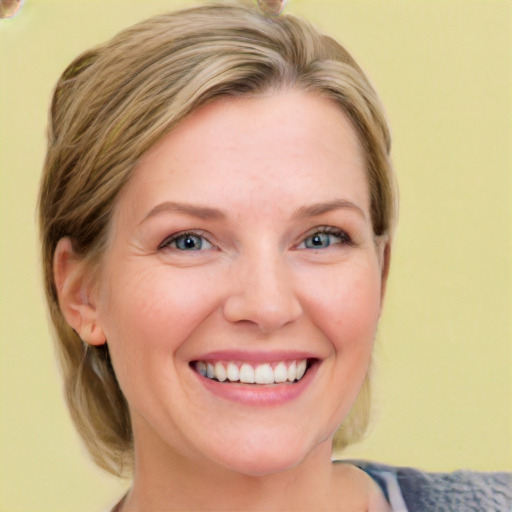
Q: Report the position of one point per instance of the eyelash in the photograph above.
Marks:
(325, 230)
(173, 238)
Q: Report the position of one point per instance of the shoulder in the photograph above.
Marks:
(368, 494)
(458, 490)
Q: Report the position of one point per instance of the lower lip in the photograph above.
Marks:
(259, 394)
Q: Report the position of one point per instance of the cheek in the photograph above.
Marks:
(346, 306)
(155, 308)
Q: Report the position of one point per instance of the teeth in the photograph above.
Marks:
(220, 372)
(246, 373)
(201, 368)
(264, 374)
(292, 372)
(232, 372)
(281, 373)
(301, 370)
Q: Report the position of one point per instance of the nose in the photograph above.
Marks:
(262, 293)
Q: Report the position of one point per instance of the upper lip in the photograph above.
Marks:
(256, 356)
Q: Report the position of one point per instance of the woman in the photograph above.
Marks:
(217, 213)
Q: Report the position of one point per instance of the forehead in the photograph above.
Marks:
(255, 150)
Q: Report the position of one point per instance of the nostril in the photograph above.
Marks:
(262, 291)
(266, 312)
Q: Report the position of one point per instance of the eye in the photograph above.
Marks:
(186, 242)
(323, 238)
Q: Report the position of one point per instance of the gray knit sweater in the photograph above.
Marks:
(460, 491)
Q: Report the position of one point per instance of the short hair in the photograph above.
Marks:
(116, 101)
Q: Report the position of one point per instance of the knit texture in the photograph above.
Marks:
(460, 491)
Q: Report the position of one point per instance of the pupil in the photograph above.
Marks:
(190, 243)
(320, 240)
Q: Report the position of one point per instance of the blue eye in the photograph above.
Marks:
(324, 238)
(186, 242)
(318, 241)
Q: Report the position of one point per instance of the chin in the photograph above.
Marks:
(260, 465)
(258, 457)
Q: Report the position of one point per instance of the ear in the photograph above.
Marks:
(385, 261)
(75, 293)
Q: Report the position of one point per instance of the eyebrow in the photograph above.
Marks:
(206, 212)
(318, 209)
(193, 210)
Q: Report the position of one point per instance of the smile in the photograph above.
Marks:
(250, 373)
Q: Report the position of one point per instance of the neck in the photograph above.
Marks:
(175, 482)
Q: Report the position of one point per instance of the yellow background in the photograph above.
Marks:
(443, 379)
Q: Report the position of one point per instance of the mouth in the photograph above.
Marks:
(244, 372)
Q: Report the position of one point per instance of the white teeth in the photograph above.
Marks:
(220, 372)
(247, 374)
(281, 373)
(232, 372)
(266, 373)
(301, 370)
(292, 372)
(201, 368)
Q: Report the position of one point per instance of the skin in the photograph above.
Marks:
(256, 286)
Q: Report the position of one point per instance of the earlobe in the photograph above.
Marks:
(74, 291)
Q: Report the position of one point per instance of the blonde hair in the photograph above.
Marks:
(115, 101)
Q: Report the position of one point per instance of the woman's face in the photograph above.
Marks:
(243, 250)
